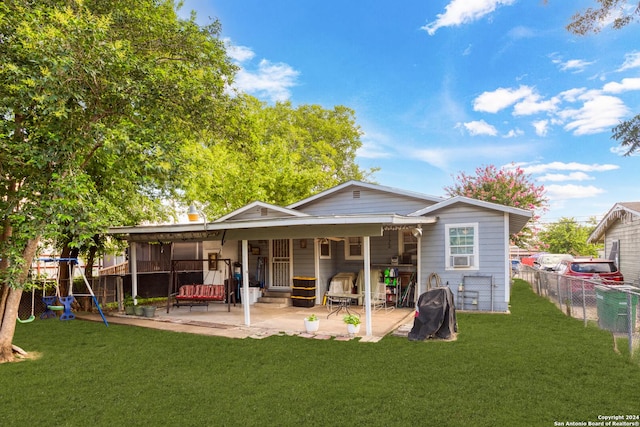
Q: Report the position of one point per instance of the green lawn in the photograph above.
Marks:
(530, 368)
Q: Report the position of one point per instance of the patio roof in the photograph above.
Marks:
(271, 228)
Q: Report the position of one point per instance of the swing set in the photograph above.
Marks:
(65, 301)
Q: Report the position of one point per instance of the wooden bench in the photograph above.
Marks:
(199, 295)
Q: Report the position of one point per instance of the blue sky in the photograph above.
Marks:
(445, 86)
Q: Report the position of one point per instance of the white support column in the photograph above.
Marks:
(133, 266)
(418, 270)
(245, 283)
(367, 285)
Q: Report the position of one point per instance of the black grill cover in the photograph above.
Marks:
(435, 315)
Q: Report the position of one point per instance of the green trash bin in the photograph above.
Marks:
(611, 304)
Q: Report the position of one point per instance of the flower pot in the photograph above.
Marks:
(353, 329)
(129, 310)
(138, 310)
(149, 310)
(311, 325)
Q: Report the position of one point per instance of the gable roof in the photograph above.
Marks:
(618, 211)
(367, 185)
(259, 205)
(518, 217)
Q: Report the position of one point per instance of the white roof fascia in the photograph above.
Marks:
(258, 204)
(382, 219)
(367, 185)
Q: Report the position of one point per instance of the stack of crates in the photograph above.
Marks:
(303, 292)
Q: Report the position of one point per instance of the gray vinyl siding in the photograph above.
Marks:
(627, 232)
(368, 202)
(492, 253)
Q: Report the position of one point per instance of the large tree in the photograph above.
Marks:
(619, 13)
(568, 236)
(274, 153)
(101, 101)
(505, 186)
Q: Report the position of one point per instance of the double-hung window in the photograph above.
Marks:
(353, 248)
(461, 246)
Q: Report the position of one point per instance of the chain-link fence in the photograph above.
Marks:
(613, 307)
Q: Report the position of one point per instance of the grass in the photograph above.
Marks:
(530, 368)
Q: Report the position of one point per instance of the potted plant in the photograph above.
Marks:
(311, 323)
(149, 310)
(353, 323)
(128, 305)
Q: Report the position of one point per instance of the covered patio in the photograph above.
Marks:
(266, 320)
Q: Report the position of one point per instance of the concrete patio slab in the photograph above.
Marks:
(220, 320)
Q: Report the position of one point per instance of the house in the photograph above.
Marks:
(355, 227)
(619, 230)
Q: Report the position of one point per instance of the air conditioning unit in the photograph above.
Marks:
(461, 261)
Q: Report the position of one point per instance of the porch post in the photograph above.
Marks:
(245, 282)
(367, 285)
(418, 270)
(133, 262)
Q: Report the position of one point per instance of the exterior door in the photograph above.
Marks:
(280, 264)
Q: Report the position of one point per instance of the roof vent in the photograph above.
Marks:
(356, 194)
(264, 211)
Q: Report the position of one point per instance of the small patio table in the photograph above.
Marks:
(343, 301)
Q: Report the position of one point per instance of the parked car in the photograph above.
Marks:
(516, 265)
(550, 262)
(590, 271)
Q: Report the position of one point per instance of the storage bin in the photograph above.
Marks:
(303, 301)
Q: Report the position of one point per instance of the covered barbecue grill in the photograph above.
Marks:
(435, 315)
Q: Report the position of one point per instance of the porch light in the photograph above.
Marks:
(416, 232)
(193, 213)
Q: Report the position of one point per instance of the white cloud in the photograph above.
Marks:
(623, 86)
(571, 95)
(533, 168)
(270, 80)
(574, 65)
(572, 191)
(459, 12)
(598, 114)
(533, 105)
(501, 98)
(619, 150)
(513, 133)
(631, 60)
(479, 127)
(541, 127)
(238, 53)
(558, 177)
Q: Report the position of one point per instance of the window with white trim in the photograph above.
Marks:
(353, 248)
(408, 244)
(461, 246)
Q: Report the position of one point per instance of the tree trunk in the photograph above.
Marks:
(12, 303)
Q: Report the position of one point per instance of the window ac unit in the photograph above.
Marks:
(459, 261)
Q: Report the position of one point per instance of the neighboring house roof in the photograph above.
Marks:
(618, 211)
(518, 217)
(338, 188)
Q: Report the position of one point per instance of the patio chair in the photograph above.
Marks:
(379, 297)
